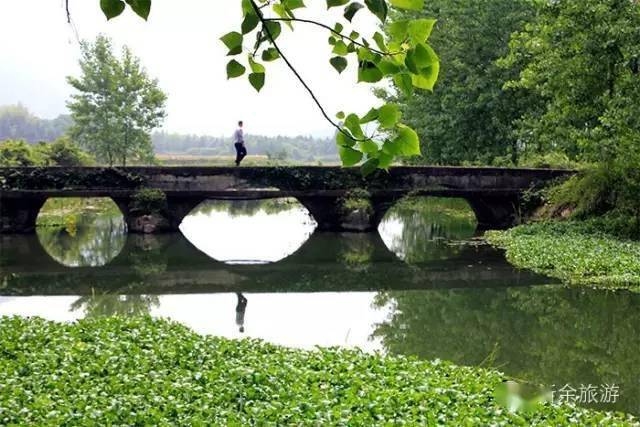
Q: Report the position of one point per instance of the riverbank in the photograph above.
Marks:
(144, 371)
(577, 252)
(60, 212)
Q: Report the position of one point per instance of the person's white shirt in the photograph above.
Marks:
(238, 136)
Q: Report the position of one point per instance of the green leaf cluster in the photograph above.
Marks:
(113, 8)
(140, 371)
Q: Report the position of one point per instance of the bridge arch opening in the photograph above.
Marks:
(420, 229)
(81, 232)
(248, 231)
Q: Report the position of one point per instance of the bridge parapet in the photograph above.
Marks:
(493, 193)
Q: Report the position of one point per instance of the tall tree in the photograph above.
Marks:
(117, 105)
(468, 117)
(580, 58)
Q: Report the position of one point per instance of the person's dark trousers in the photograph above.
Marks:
(241, 152)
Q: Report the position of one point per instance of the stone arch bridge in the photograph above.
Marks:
(496, 195)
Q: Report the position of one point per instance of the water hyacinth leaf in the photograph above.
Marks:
(419, 30)
(352, 122)
(233, 41)
(338, 27)
(142, 8)
(234, 69)
(340, 115)
(369, 72)
(257, 80)
(249, 23)
(270, 54)
(404, 82)
(369, 166)
(336, 3)
(408, 4)
(370, 116)
(389, 115)
(351, 10)
(407, 141)
(349, 156)
(112, 8)
(378, 8)
(339, 63)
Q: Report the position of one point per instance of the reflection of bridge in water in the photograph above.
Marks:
(327, 262)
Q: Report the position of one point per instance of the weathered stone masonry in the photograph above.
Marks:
(495, 194)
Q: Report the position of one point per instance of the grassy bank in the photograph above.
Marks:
(577, 252)
(61, 211)
(140, 371)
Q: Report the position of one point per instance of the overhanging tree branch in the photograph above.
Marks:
(320, 24)
(265, 27)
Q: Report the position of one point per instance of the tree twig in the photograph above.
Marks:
(320, 24)
(264, 21)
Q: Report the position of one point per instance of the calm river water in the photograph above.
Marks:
(421, 286)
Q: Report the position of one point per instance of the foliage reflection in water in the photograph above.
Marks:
(88, 241)
(414, 289)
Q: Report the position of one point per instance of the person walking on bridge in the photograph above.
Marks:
(238, 142)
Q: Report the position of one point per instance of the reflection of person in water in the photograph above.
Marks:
(240, 308)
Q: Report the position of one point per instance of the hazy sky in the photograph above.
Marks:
(179, 45)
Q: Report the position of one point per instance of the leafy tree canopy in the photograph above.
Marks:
(404, 56)
(116, 106)
(580, 59)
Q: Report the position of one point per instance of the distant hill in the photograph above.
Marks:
(17, 122)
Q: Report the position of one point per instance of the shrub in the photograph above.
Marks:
(63, 152)
(551, 160)
(608, 190)
(148, 201)
(17, 153)
(356, 199)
